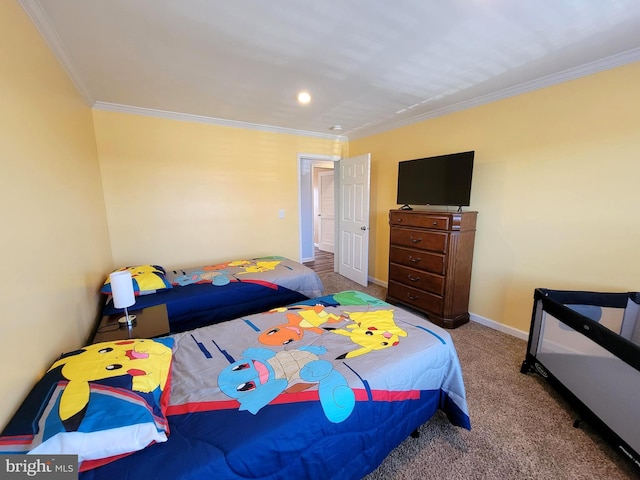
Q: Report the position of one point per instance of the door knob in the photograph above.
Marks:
(363, 228)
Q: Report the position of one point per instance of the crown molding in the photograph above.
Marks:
(40, 19)
(187, 117)
(603, 64)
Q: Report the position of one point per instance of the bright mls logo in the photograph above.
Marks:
(51, 467)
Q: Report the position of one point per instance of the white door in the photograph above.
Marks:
(353, 235)
(326, 212)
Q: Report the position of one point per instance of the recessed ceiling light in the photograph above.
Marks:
(336, 128)
(304, 97)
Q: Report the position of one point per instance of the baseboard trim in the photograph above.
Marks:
(498, 326)
(514, 332)
(375, 281)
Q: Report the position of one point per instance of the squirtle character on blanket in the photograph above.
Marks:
(219, 278)
(261, 375)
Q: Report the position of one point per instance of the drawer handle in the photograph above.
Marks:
(412, 297)
(415, 240)
(414, 260)
(435, 223)
(413, 279)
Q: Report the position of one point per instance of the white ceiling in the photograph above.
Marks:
(370, 65)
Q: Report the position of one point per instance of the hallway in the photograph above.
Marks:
(323, 262)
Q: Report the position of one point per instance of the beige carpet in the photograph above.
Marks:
(521, 428)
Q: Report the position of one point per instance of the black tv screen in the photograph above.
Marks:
(441, 180)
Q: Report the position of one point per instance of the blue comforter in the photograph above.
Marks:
(322, 389)
(212, 294)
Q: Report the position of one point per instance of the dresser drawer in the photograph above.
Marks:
(417, 279)
(416, 298)
(422, 239)
(421, 260)
(422, 220)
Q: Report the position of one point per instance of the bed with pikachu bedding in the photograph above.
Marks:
(204, 295)
(323, 388)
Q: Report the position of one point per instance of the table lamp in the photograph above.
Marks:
(123, 296)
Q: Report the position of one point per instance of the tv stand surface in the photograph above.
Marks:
(430, 257)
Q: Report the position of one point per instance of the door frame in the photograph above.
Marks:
(305, 202)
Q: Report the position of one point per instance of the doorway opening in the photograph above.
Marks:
(351, 186)
(323, 208)
(317, 224)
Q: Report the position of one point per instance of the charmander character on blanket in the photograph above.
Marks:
(306, 318)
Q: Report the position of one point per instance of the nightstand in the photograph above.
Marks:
(150, 322)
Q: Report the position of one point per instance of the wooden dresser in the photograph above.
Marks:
(430, 257)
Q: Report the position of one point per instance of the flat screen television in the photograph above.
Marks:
(440, 180)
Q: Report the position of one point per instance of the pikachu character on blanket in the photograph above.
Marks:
(374, 330)
(146, 361)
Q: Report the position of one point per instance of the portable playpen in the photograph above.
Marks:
(587, 345)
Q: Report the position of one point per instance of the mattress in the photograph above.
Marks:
(211, 294)
(354, 378)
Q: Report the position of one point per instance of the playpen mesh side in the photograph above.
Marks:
(630, 322)
(607, 385)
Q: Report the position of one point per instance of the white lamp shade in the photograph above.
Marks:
(122, 289)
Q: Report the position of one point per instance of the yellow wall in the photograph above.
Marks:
(54, 242)
(555, 184)
(182, 194)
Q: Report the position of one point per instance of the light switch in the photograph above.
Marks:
(281, 213)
